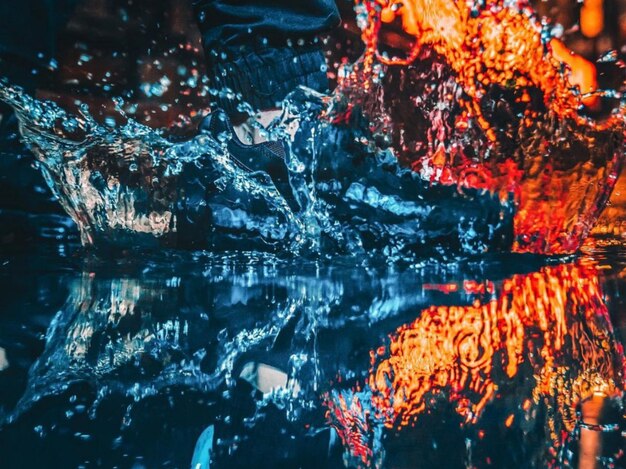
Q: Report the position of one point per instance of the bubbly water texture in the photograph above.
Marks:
(121, 185)
(467, 354)
(484, 99)
(475, 142)
(130, 186)
(267, 356)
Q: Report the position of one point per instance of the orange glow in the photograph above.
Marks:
(446, 347)
(582, 72)
(455, 346)
(354, 429)
(474, 287)
(443, 288)
(592, 18)
(499, 47)
(496, 45)
(555, 320)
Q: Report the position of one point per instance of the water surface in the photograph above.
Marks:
(249, 360)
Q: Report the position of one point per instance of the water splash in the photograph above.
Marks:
(487, 98)
(478, 141)
(130, 186)
(245, 341)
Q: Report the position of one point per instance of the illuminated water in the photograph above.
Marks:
(384, 336)
(126, 362)
(452, 153)
(131, 187)
(383, 315)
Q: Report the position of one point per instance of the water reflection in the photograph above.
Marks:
(232, 363)
(545, 338)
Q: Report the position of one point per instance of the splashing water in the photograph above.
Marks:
(488, 98)
(394, 358)
(476, 142)
(463, 148)
(130, 186)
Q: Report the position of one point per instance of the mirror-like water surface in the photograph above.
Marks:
(191, 360)
(364, 290)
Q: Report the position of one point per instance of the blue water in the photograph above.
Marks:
(170, 358)
(131, 186)
(380, 324)
(195, 317)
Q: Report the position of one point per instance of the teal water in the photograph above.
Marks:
(244, 359)
(190, 315)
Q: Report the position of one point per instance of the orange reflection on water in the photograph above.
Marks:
(554, 321)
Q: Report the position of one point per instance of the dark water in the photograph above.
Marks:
(336, 193)
(170, 359)
(372, 315)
